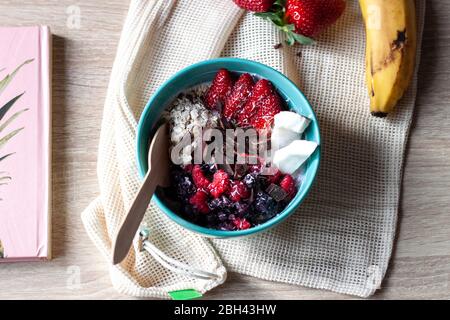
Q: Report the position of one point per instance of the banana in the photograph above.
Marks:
(391, 40)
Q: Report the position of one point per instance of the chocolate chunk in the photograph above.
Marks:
(278, 46)
(276, 192)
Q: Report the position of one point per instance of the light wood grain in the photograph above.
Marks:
(83, 58)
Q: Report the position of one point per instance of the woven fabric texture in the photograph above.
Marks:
(341, 237)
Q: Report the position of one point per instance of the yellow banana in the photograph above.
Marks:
(390, 51)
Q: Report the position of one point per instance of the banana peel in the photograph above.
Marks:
(391, 40)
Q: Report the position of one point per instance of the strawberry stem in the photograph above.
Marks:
(277, 17)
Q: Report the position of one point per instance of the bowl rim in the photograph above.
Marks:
(287, 211)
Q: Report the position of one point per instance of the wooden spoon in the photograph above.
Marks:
(157, 175)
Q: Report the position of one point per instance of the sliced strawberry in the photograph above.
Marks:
(268, 108)
(261, 89)
(219, 90)
(262, 106)
(240, 93)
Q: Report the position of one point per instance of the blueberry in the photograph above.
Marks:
(226, 226)
(222, 216)
(214, 204)
(241, 208)
(249, 180)
(211, 219)
(189, 210)
(191, 214)
(184, 187)
(176, 176)
(265, 207)
(222, 203)
(261, 183)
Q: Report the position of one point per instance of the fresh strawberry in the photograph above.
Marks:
(288, 185)
(241, 224)
(261, 89)
(268, 108)
(301, 20)
(199, 178)
(220, 183)
(262, 106)
(238, 191)
(219, 90)
(200, 201)
(310, 17)
(240, 93)
(255, 5)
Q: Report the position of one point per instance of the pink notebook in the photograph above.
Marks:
(25, 104)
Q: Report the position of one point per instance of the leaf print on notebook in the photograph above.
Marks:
(6, 122)
(6, 80)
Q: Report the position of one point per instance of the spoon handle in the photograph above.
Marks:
(134, 217)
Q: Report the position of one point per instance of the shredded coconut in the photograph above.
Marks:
(188, 116)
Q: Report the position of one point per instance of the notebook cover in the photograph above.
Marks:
(25, 119)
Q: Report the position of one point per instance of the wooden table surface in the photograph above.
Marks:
(83, 57)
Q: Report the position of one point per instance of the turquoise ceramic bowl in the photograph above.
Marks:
(204, 72)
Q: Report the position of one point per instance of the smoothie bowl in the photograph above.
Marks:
(245, 147)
